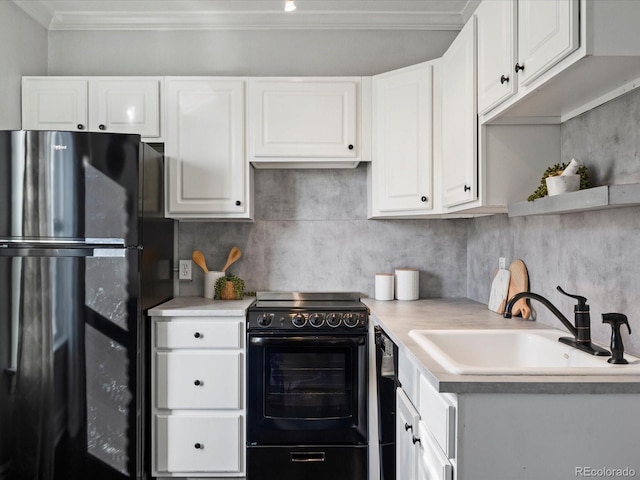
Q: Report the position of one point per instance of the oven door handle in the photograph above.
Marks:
(333, 341)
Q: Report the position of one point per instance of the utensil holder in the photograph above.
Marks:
(210, 283)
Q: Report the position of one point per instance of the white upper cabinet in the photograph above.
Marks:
(459, 119)
(96, 104)
(496, 52)
(304, 120)
(567, 57)
(402, 166)
(547, 32)
(208, 175)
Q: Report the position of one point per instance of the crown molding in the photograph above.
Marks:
(57, 15)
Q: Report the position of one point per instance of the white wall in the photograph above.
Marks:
(23, 51)
(241, 52)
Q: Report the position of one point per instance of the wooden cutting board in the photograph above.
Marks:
(499, 290)
(519, 282)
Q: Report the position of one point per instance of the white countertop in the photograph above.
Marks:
(398, 318)
(202, 307)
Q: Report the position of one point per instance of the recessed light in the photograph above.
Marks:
(289, 6)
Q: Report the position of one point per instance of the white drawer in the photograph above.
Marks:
(199, 443)
(439, 416)
(209, 333)
(407, 375)
(433, 463)
(197, 379)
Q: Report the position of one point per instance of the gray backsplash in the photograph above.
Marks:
(311, 233)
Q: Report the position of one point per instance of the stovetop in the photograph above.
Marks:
(300, 311)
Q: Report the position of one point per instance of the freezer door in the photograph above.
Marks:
(69, 185)
(70, 329)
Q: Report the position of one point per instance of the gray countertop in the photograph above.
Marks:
(399, 318)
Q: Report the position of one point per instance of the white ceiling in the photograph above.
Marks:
(248, 14)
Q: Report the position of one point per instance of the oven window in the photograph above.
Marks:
(308, 382)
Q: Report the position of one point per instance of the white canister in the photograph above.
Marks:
(210, 283)
(407, 283)
(384, 286)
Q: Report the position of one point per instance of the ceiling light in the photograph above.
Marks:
(289, 6)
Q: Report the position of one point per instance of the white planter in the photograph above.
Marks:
(562, 184)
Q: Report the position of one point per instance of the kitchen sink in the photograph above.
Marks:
(514, 352)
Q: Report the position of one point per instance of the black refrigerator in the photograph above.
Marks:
(84, 252)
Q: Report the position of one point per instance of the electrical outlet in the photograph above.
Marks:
(502, 263)
(184, 271)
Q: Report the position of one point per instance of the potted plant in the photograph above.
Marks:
(556, 170)
(229, 287)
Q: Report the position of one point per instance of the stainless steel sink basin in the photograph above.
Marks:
(514, 352)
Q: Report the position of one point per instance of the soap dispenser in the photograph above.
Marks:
(617, 348)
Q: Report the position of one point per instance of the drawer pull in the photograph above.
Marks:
(199, 446)
(415, 440)
(307, 457)
(198, 383)
(408, 427)
(197, 335)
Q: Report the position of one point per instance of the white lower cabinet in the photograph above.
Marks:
(198, 397)
(199, 443)
(501, 435)
(425, 435)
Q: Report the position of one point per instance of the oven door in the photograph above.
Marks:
(306, 389)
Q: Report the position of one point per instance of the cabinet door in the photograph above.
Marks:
(303, 118)
(125, 106)
(200, 443)
(548, 31)
(496, 52)
(54, 104)
(406, 436)
(403, 136)
(205, 148)
(459, 119)
(192, 380)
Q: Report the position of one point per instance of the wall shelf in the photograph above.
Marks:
(596, 198)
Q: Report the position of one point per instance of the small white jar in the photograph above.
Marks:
(384, 286)
(407, 285)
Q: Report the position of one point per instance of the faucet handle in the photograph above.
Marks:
(582, 301)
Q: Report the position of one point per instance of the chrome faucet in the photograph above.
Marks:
(581, 331)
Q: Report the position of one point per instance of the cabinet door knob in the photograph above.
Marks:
(199, 446)
(238, 203)
(407, 427)
(504, 78)
(350, 147)
(424, 198)
(80, 126)
(102, 127)
(519, 67)
(467, 188)
(197, 383)
(415, 440)
(197, 335)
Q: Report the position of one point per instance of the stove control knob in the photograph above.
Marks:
(298, 320)
(350, 320)
(265, 319)
(316, 319)
(333, 319)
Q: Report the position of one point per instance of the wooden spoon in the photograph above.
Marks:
(234, 255)
(198, 257)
